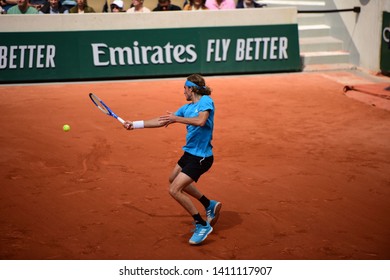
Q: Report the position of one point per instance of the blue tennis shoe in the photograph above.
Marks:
(212, 212)
(200, 233)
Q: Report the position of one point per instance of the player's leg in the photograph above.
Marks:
(176, 187)
(189, 189)
(212, 207)
(202, 228)
(176, 170)
(193, 191)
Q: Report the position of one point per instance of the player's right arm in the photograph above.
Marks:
(151, 123)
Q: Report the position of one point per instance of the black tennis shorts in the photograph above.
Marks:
(195, 166)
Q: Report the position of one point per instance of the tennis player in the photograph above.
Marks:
(198, 116)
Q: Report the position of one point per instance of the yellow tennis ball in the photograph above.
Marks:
(66, 127)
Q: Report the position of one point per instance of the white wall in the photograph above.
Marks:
(364, 31)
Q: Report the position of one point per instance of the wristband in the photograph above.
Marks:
(138, 124)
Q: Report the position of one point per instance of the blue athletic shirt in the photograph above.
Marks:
(198, 139)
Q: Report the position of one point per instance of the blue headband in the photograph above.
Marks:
(191, 84)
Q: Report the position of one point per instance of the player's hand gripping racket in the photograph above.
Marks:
(104, 108)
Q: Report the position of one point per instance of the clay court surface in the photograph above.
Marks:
(301, 168)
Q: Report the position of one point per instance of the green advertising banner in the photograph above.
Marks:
(385, 46)
(83, 55)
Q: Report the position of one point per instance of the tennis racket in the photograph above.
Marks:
(104, 108)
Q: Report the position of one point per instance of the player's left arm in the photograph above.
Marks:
(199, 120)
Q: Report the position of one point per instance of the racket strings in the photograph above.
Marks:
(99, 104)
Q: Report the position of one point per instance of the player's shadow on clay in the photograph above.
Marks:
(228, 220)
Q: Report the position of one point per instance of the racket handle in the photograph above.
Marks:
(121, 120)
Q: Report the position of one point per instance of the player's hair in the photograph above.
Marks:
(202, 89)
